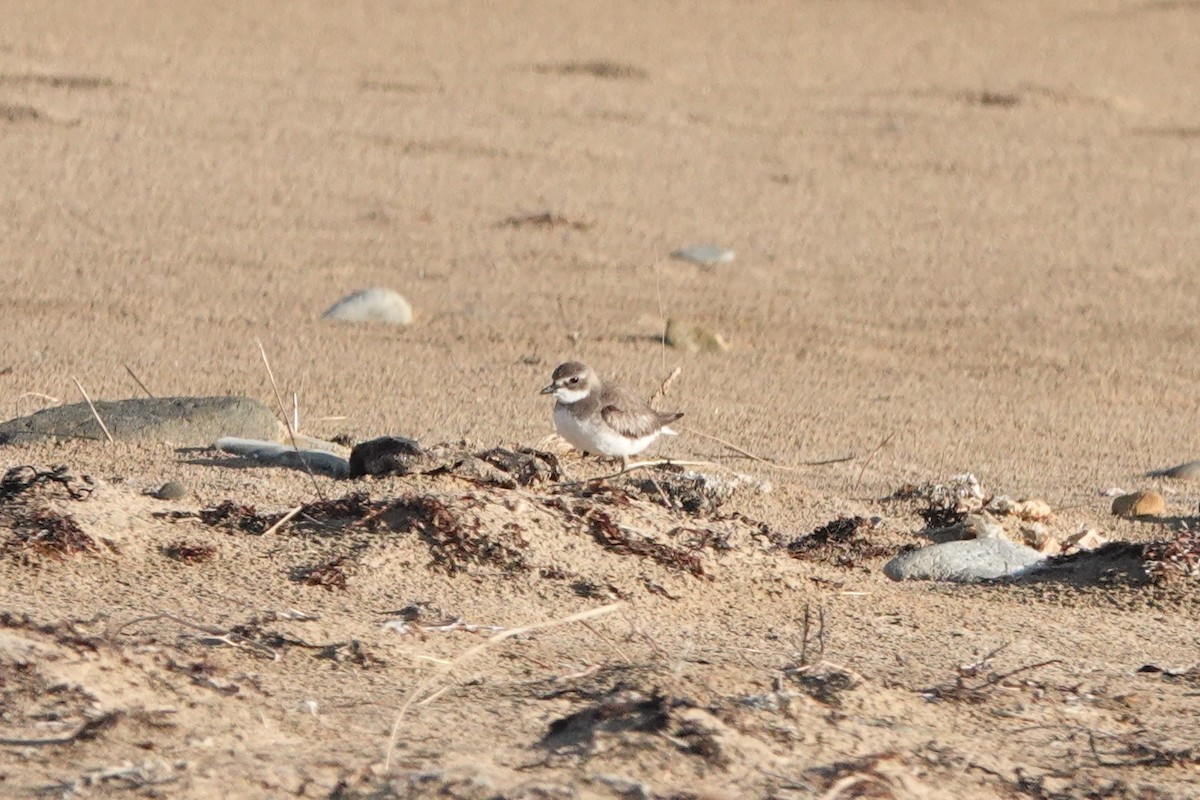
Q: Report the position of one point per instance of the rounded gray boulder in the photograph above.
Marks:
(963, 561)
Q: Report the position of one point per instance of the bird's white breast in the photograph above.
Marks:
(594, 436)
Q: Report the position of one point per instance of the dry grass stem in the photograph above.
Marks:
(886, 440)
(216, 634)
(92, 406)
(287, 423)
(84, 730)
(509, 633)
(138, 381)
(642, 465)
(282, 521)
(39, 395)
(769, 462)
(665, 386)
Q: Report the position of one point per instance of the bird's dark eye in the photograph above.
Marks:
(574, 380)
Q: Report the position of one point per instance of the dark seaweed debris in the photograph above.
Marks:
(839, 541)
(455, 544)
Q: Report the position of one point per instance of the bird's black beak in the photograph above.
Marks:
(548, 389)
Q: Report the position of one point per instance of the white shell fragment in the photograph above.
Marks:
(372, 305)
(706, 255)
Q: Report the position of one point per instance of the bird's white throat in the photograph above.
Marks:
(569, 396)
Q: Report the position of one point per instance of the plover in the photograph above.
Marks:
(603, 419)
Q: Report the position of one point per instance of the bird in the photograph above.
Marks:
(603, 419)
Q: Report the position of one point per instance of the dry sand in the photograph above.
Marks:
(969, 229)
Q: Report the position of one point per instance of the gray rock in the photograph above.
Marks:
(372, 305)
(321, 462)
(964, 561)
(171, 490)
(388, 455)
(194, 421)
(706, 255)
(1183, 472)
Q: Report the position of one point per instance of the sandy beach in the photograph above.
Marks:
(966, 241)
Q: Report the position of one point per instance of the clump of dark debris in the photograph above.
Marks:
(626, 712)
(499, 466)
(36, 529)
(822, 682)
(607, 533)
(946, 504)
(693, 492)
(320, 515)
(328, 575)
(457, 544)
(612, 536)
(525, 465)
(1175, 559)
(460, 534)
(20, 480)
(841, 542)
(44, 532)
(188, 552)
(236, 516)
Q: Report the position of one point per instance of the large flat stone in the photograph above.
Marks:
(963, 561)
(185, 421)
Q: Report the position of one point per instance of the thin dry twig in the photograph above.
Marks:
(997, 679)
(282, 520)
(806, 629)
(641, 465)
(39, 395)
(662, 324)
(665, 386)
(85, 730)
(287, 423)
(848, 782)
(573, 336)
(218, 634)
(609, 642)
(871, 458)
(770, 463)
(138, 381)
(442, 669)
(92, 406)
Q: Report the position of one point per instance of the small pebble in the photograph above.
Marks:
(1139, 504)
(706, 255)
(372, 305)
(171, 490)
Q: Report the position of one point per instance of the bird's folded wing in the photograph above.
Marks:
(632, 423)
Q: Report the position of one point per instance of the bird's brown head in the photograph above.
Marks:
(571, 382)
